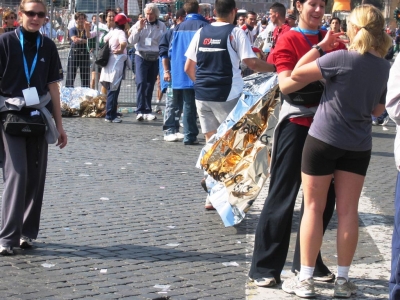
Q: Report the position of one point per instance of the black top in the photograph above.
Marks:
(12, 73)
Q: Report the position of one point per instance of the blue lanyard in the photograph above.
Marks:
(27, 74)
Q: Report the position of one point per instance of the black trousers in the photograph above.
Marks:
(78, 59)
(275, 224)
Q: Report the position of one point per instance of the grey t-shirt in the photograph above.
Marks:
(355, 84)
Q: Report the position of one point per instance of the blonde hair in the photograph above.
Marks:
(23, 2)
(8, 13)
(366, 30)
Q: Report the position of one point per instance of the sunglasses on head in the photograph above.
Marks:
(31, 14)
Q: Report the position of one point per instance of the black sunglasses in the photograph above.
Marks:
(32, 13)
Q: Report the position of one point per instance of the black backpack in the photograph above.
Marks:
(103, 55)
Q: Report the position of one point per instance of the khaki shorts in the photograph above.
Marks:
(212, 114)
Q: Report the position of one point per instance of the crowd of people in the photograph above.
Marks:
(322, 141)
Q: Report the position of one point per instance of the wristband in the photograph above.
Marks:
(321, 52)
(167, 71)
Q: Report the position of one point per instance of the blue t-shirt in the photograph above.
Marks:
(355, 85)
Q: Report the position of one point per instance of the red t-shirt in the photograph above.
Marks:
(290, 47)
(275, 37)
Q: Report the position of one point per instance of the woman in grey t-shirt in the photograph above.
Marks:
(339, 141)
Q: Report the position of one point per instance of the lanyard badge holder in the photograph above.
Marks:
(30, 94)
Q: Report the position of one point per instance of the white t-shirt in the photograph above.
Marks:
(239, 48)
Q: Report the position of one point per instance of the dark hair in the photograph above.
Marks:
(302, 2)
(180, 13)
(251, 13)
(80, 14)
(110, 10)
(224, 7)
(122, 27)
(191, 7)
(264, 21)
(279, 8)
(339, 21)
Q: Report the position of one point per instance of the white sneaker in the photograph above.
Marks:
(170, 138)
(139, 117)
(150, 117)
(157, 109)
(25, 242)
(303, 289)
(179, 136)
(344, 288)
(4, 250)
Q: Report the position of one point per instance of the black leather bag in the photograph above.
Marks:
(27, 122)
(103, 55)
(309, 95)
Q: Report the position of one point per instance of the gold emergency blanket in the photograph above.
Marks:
(236, 157)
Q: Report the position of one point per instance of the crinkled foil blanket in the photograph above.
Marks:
(236, 157)
(82, 102)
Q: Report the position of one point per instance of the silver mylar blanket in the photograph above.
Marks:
(236, 157)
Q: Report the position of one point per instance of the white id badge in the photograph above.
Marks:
(147, 42)
(31, 96)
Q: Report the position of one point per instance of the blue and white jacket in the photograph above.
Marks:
(174, 44)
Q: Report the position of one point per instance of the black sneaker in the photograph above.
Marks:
(195, 142)
(25, 243)
(4, 250)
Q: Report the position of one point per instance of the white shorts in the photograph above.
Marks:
(212, 114)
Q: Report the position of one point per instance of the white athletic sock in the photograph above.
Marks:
(343, 272)
(306, 272)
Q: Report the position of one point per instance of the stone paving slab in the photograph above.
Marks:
(118, 196)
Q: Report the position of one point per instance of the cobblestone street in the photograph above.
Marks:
(124, 217)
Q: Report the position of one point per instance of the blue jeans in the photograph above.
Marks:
(394, 282)
(190, 129)
(173, 111)
(146, 76)
(112, 102)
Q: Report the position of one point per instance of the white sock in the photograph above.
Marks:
(343, 272)
(306, 272)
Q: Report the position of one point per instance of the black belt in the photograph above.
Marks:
(79, 51)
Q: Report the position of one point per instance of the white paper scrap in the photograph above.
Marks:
(385, 128)
(172, 227)
(231, 264)
(162, 286)
(46, 265)
(103, 271)
(88, 163)
(173, 245)
(84, 175)
(104, 198)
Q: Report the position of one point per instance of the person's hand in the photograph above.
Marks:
(331, 41)
(62, 139)
(142, 22)
(118, 51)
(87, 25)
(167, 76)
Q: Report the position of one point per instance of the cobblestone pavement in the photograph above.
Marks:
(123, 217)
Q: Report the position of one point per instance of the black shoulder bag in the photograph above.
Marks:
(103, 55)
(26, 122)
(310, 94)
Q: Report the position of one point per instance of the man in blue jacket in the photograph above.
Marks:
(172, 50)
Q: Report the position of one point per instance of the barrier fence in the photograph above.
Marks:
(56, 27)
